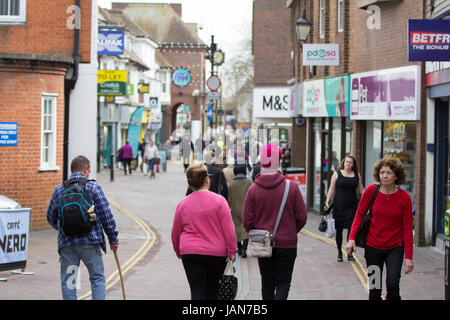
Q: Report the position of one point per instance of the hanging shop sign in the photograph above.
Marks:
(389, 94)
(153, 102)
(271, 102)
(327, 97)
(8, 134)
(320, 54)
(428, 40)
(112, 83)
(181, 77)
(14, 231)
(143, 87)
(111, 42)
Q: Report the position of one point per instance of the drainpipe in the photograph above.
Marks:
(69, 84)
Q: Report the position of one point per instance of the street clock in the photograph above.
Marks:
(218, 57)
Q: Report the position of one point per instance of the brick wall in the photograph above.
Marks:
(20, 101)
(45, 31)
(387, 48)
(192, 59)
(272, 43)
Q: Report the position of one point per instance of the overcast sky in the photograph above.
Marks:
(229, 21)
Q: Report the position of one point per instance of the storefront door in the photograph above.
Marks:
(442, 143)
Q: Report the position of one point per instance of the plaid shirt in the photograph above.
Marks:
(105, 220)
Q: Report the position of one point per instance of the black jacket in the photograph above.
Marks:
(218, 182)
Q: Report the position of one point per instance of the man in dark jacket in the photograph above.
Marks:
(218, 183)
(260, 211)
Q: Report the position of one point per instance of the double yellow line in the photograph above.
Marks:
(362, 277)
(130, 263)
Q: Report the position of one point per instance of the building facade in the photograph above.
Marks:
(39, 86)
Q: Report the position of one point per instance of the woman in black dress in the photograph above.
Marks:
(347, 188)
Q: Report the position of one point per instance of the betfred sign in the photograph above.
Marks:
(320, 54)
(428, 40)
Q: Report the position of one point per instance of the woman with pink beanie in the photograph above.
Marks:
(260, 211)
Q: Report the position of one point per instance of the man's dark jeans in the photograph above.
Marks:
(276, 273)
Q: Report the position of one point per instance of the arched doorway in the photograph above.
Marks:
(181, 119)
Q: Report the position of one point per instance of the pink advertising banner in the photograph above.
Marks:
(389, 94)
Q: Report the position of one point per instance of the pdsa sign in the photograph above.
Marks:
(320, 54)
(110, 42)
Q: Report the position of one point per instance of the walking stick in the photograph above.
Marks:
(120, 273)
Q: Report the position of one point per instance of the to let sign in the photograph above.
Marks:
(428, 40)
(8, 133)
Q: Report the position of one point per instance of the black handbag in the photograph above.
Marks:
(323, 225)
(363, 229)
(228, 285)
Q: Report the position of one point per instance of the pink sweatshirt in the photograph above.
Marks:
(203, 225)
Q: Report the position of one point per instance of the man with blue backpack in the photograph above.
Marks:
(80, 212)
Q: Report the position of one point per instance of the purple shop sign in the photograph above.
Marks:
(389, 94)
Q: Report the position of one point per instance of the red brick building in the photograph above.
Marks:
(37, 51)
(372, 37)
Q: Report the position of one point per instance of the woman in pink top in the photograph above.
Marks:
(203, 235)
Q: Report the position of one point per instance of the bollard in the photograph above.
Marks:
(111, 167)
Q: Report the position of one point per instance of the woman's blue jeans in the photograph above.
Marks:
(91, 256)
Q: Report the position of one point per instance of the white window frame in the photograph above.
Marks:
(50, 163)
(321, 18)
(21, 18)
(341, 11)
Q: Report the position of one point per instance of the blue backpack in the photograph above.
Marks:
(74, 205)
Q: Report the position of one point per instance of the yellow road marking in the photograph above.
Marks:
(333, 243)
(148, 244)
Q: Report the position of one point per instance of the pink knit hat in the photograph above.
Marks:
(269, 153)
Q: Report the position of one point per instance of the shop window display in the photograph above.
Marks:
(399, 141)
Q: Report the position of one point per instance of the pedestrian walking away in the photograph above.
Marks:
(150, 155)
(127, 156)
(203, 235)
(347, 188)
(218, 181)
(82, 245)
(236, 196)
(390, 234)
(260, 211)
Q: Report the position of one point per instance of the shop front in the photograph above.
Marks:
(389, 103)
(438, 148)
(271, 110)
(326, 105)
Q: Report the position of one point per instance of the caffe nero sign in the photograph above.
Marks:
(271, 102)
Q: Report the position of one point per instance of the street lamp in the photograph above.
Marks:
(302, 27)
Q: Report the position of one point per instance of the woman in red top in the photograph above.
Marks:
(390, 233)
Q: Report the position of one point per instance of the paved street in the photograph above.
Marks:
(144, 210)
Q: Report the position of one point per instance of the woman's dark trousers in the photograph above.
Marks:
(375, 260)
(203, 274)
(276, 273)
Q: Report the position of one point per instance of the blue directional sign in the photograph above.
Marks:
(111, 42)
(209, 113)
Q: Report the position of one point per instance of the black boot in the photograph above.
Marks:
(339, 258)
